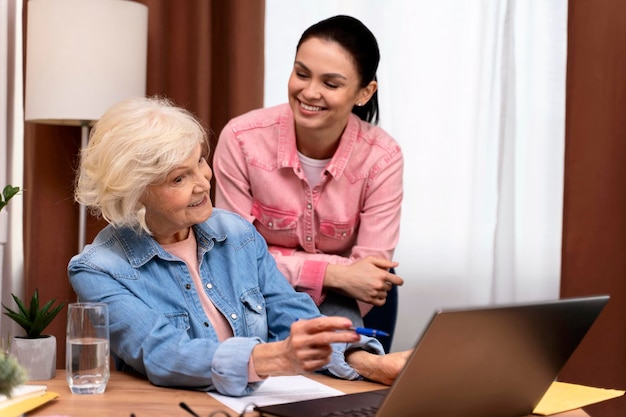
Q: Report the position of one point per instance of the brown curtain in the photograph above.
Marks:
(594, 217)
(207, 56)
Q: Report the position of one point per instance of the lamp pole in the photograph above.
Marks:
(82, 209)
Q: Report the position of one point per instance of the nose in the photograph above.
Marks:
(203, 181)
(311, 91)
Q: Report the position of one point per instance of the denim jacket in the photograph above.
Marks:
(352, 213)
(157, 324)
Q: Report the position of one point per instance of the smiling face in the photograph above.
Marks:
(323, 88)
(181, 200)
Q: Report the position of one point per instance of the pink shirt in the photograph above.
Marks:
(353, 212)
(187, 250)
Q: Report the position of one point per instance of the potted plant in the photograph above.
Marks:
(35, 351)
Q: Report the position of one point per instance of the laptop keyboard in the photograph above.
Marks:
(353, 412)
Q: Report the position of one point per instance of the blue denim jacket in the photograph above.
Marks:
(157, 324)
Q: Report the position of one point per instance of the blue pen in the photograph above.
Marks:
(369, 332)
(365, 331)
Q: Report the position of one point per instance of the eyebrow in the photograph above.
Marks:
(329, 75)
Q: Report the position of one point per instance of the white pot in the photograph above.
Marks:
(37, 356)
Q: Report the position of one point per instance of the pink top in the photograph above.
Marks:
(187, 250)
(353, 212)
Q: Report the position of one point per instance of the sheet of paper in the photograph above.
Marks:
(278, 390)
(562, 396)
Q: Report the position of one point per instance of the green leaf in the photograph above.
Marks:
(34, 306)
(8, 193)
(20, 305)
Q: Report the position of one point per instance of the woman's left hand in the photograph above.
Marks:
(379, 368)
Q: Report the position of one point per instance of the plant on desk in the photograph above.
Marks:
(35, 351)
(11, 374)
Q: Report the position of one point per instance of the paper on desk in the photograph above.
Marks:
(562, 397)
(278, 390)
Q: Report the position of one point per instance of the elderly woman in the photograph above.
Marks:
(195, 299)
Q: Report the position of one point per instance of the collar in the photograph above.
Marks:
(287, 153)
(141, 247)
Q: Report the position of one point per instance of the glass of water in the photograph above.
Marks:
(87, 348)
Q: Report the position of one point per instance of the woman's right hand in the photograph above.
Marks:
(366, 280)
(307, 348)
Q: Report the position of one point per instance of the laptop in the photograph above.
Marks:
(476, 362)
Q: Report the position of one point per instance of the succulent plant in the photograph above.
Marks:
(33, 319)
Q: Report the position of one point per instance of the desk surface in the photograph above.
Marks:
(126, 394)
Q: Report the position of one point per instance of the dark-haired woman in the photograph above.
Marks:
(319, 180)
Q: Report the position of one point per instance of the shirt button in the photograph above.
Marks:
(188, 286)
(209, 285)
(233, 316)
(309, 206)
(206, 324)
(259, 307)
(344, 234)
(270, 224)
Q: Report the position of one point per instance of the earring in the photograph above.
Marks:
(359, 104)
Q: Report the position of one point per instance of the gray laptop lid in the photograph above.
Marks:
(476, 362)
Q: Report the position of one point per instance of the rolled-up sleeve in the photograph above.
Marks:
(230, 374)
(339, 367)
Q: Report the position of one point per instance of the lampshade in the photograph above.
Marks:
(82, 56)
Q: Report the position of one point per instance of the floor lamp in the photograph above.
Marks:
(82, 56)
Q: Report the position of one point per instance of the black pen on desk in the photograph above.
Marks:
(368, 332)
(185, 407)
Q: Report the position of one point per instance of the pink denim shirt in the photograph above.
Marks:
(353, 212)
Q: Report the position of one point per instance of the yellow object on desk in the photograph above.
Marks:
(562, 396)
(27, 404)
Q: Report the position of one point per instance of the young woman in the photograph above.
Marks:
(318, 179)
(195, 300)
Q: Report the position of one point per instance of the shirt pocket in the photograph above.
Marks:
(254, 313)
(179, 319)
(278, 227)
(337, 237)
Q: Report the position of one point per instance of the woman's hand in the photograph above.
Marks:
(367, 279)
(307, 348)
(379, 368)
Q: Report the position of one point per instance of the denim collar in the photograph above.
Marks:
(141, 247)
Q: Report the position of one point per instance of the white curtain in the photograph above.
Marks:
(11, 156)
(474, 92)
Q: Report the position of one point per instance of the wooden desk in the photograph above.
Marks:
(126, 394)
